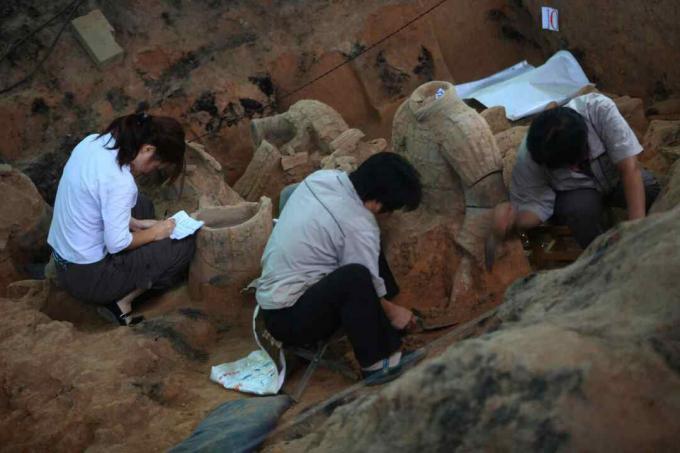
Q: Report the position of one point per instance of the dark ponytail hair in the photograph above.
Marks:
(131, 132)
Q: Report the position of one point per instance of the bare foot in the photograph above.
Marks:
(400, 317)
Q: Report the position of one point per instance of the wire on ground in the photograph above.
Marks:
(75, 4)
(334, 68)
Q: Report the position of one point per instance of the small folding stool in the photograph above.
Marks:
(314, 354)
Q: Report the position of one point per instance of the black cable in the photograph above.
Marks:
(77, 3)
(336, 67)
(18, 43)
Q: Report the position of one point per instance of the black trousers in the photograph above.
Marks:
(581, 209)
(345, 299)
(158, 265)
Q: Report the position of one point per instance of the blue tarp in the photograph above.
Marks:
(236, 426)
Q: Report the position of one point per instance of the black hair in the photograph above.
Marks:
(389, 179)
(558, 138)
(131, 132)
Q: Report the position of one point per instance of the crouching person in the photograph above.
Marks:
(323, 269)
(107, 247)
(575, 161)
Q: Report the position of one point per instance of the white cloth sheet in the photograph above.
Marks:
(525, 90)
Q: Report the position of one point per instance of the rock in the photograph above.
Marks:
(661, 134)
(347, 142)
(669, 197)
(345, 163)
(294, 144)
(510, 139)
(296, 160)
(668, 109)
(574, 350)
(350, 153)
(120, 379)
(290, 146)
(496, 119)
(24, 222)
(96, 35)
(632, 109)
(374, 84)
(454, 151)
(298, 166)
(508, 142)
(229, 247)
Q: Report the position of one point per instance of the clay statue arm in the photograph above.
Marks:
(633, 188)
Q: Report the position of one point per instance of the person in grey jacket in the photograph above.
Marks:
(323, 269)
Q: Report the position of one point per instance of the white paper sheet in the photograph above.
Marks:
(524, 90)
(185, 225)
(467, 90)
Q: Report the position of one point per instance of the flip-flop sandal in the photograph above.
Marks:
(388, 373)
(112, 313)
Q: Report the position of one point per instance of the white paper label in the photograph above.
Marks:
(551, 18)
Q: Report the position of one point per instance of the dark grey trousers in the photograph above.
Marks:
(581, 209)
(157, 265)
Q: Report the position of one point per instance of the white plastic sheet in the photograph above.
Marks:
(524, 90)
(257, 373)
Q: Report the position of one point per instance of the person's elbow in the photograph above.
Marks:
(629, 166)
(117, 242)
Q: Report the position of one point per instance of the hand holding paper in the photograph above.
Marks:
(185, 225)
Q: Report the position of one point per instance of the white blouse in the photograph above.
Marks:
(92, 210)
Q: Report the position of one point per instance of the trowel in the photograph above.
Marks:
(490, 252)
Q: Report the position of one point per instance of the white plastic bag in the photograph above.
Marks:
(257, 373)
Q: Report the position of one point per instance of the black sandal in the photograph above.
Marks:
(389, 373)
(113, 313)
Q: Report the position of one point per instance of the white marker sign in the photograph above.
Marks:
(550, 18)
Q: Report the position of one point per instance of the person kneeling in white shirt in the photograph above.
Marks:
(107, 247)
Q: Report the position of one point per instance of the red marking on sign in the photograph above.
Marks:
(552, 19)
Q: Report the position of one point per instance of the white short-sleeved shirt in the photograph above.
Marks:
(610, 140)
(92, 210)
(325, 225)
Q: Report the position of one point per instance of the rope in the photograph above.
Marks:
(334, 68)
(77, 3)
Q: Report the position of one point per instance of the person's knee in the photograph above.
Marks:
(354, 272)
(584, 207)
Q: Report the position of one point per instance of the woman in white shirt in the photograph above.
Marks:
(107, 247)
